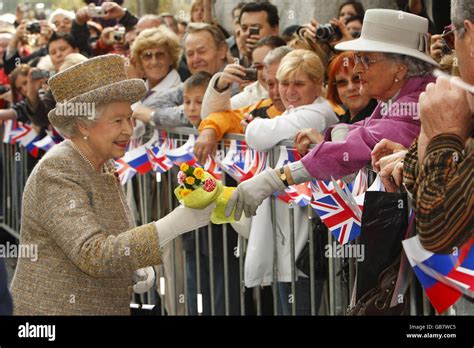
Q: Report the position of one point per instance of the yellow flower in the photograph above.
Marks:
(190, 180)
(185, 192)
(198, 173)
(184, 167)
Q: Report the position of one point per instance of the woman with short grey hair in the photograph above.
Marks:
(74, 209)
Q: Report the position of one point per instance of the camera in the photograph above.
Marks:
(4, 89)
(254, 31)
(119, 36)
(328, 32)
(250, 75)
(40, 74)
(444, 48)
(97, 11)
(33, 28)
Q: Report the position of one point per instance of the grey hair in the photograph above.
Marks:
(276, 55)
(415, 67)
(460, 11)
(68, 125)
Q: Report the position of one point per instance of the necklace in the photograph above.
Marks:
(74, 146)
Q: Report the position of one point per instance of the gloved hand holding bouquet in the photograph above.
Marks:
(197, 189)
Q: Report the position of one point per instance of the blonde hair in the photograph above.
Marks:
(301, 60)
(157, 37)
(195, 4)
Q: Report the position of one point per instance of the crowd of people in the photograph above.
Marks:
(339, 91)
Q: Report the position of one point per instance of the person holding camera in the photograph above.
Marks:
(257, 20)
(218, 94)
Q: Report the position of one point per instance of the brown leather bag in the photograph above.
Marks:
(377, 300)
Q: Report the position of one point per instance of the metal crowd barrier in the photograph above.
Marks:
(151, 197)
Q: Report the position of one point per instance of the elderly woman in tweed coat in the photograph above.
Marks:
(74, 209)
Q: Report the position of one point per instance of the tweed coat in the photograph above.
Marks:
(88, 245)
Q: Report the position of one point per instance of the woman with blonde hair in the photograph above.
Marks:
(300, 76)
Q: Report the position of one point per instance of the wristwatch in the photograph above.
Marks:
(283, 176)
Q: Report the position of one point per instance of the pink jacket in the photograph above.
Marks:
(398, 122)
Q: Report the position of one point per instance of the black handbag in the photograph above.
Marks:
(377, 300)
(384, 225)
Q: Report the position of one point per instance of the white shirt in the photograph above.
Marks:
(263, 134)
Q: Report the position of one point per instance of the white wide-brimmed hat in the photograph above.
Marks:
(392, 31)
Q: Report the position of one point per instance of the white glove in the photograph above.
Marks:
(182, 219)
(144, 278)
(251, 193)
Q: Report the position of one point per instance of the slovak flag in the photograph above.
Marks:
(158, 160)
(124, 171)
(337, 215)
(234, 163)
(45, 144)
(183, 154)
(27, 140)
(444, 277)
(138, 159)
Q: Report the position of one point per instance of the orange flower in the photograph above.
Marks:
(198, 173)
(190, 180)
(184, 167)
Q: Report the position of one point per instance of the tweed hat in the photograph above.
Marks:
(392, 31)
(97, 81)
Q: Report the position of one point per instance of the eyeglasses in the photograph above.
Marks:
(448, 36)
(148, 56)
(365, 60)
(343, 82)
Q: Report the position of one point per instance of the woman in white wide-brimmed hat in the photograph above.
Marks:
(392, 60)
(74, 208)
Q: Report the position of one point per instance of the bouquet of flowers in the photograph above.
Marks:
(197, 189)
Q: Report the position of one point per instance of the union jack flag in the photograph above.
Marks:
(158, 160)
(257, 163)
(9, 131)
(124, 171)
(234, 163)
(337, 215)
(212, 168)
(300, 194)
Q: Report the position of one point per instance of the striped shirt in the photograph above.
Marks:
(442, 188)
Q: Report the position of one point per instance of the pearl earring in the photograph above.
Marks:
(396, 79)
(85, 137)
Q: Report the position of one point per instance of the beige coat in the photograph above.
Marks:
(87, 244)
